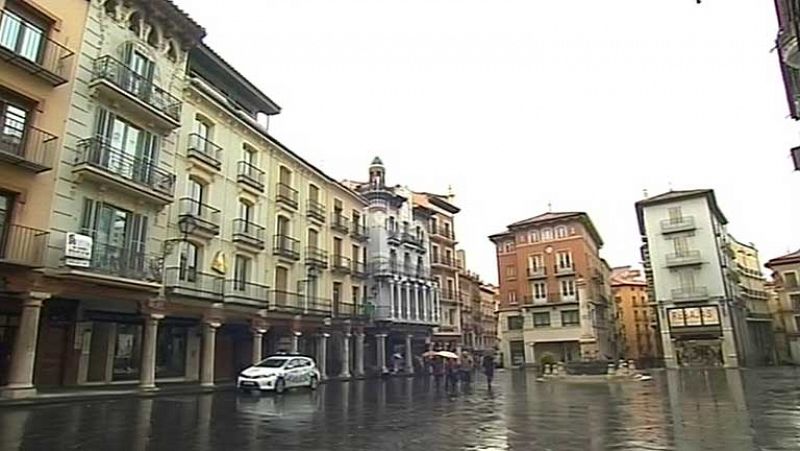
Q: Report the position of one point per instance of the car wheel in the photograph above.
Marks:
(313, 383)
(280, 386)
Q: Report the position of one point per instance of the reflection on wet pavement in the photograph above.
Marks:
(715, 410)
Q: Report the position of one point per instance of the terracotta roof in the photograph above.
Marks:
(549, 216)
(793, 257)
(554, 216)
(427, 200)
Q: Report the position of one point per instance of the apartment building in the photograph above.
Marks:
(39, 42)
(759, 341)
(788, 12)
(400, 289)
(635, 317)
(554, 291)
(445, 265)
(785, 290)
(688, 256)
(487, 340)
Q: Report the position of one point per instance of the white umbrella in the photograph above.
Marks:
(447, 354)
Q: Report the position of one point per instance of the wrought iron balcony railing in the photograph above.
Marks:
(26, 146)
(204, 150)
(27, 46)
(316, 256)
(286, 195)
(286, 246)
(127, 80)
(21, 245)
(250, 175)
(315, 210)
(205, 217)
(247, 232)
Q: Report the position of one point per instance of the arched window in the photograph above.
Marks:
(561, 232)
(547, 234)
(189, 262)
(534, 236)
(135, 24)
(153, 38)
(172, 51)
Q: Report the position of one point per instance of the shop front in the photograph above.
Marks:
(697, 336)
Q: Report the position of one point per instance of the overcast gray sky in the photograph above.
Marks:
(517, 103)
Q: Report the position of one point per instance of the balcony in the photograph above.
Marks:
(286, 195)
(205, 218)
(564, 270)
(359, 232)
(446, 262)
(125, 263)
(447, 295)
(340, 264)
(393, 236)
(49, 60)
(685, 258)
(205, 151)
(98, 161)
(383, 267)
(682, 224)
(537, 273)
(246, 293)
(248, 234)
(249, 175)
(339, 222)
(23, 246)
(25, 146)
(315, 210)
(188, 282)
(346, 310)
(136, 93)
(549, 298)
(316, 257)
(358, 269)
(286, 247)
(442, 234)
(689, 294)
(412, 239)
(294, 303)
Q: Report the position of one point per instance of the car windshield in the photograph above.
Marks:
(272, 362)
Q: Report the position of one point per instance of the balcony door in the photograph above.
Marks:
(13, 122)
(189, 262)
(195, 191)
(21, 36)
(241, 271)
(127, 150)
(120, 238)
(140, 78)
(6, 207)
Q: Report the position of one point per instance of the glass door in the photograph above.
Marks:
(142, 72)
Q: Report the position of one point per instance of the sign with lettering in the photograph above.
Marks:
(677, 318)
(78, 250)
(710, 316)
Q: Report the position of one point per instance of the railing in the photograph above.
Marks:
(190, 282)
(316, 256)
(446, 261)
(205, 216)
(340, 263)
(449, 295)
(534, 273)
(351, 310)
(26, 143)
(248, 292)
(339, 222)
(23, 245)
(288, 301)
(549, 298)
(358, 231)
(250, 175)
(205, 150)
(316, 210)
(680, 224)
(412, 238)
(358, 268)
(246, 231)
(393, 234)
(286, 194)
(124, 262)
(443, 233)
(684, 258)
(126, 79)
(563, 270)
(689, 293)
(286, 246)
(98, 153)
(48, 55)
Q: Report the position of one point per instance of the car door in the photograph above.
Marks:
(294, 370)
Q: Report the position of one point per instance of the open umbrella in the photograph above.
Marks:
(447, 354)
(427, 354)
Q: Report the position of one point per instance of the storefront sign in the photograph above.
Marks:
(677, 318)
(710, 316)
(78, 250)
(693, 317)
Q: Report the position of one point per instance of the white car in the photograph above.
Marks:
(279, 373)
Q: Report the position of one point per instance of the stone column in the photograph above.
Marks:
(296, 341)
(392, 300)
(409, 355)
(414, 300)
(209, 343)
(359, 357)
(23, 357)
(258, 345)
(147, 381)
(380, 342)
(322, 355)
(345, 374)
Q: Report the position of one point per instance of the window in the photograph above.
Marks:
(131, 151)
(449, 257)
(245, 211)
(636, 315)
(285, 176)
(511, 272)
(568, 288)
(564, 259)
(534, 236)
(561, 232)
(570, 318)
(515, 322)
(249, 154)
(14, 116)
(681, 245)
(522, 238)
(539, 290)
(434, 225)
(196, 192)
(282, 228)
(547, 234)
(797, 323)
(22, 36)
(686, 279)
(241, 272)
(790, 279)
(313, 193)
(675, 215)
(541, 319)
(202, 128)
(512, 297)
(508, 246)
(435, 253)
(536, 262)
(313, 238)
(189, 262)
(795, 300)
(119, 236)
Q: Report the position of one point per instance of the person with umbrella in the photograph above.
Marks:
(488, 369)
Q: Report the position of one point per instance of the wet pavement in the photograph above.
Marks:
(714, 410)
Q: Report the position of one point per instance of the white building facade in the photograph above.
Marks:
(689, 264)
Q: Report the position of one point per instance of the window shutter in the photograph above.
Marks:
(103, 124)
(127, 53)
(88, 223)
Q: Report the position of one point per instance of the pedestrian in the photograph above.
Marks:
(488, 369)
(467, 365)
(438, 371)
(451, 369)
